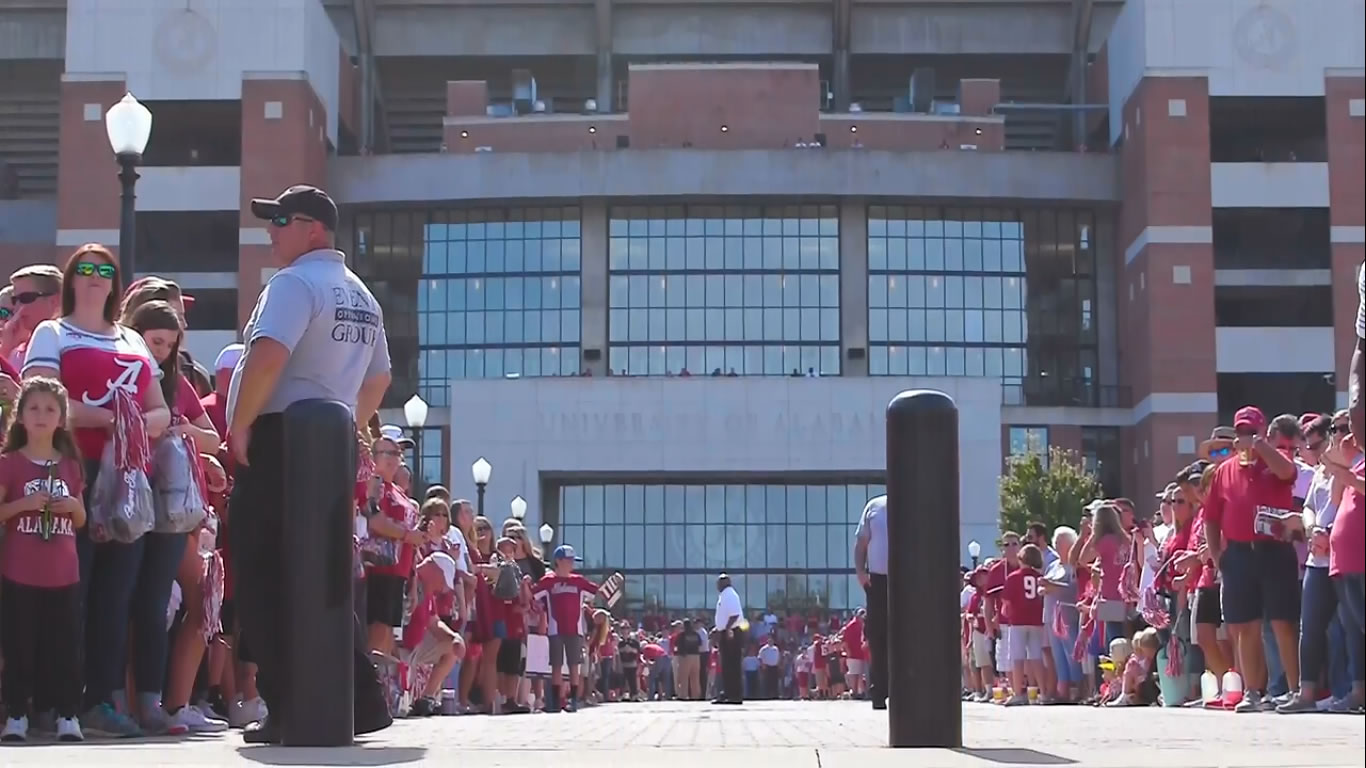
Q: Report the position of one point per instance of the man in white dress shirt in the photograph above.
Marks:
(730, 637)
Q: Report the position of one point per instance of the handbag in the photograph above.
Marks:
(177, 486)
(377, 550)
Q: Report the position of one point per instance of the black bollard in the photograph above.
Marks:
(319, 672)
(925, 708)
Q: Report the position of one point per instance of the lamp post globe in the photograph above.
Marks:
(481, 470)
(415, 412)
(129, 125)
(518, 508)
(974, 552)
(547, 534)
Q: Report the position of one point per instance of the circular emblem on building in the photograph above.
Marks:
(185, 41)
(1265, 37)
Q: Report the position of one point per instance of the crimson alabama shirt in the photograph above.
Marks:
(1024, 598)
(565, 594)
(92, 367)
(1347, 542)
(996, 584)
(1237, 492)
(394, 505)
(24, 557)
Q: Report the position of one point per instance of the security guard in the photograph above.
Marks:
(870, 565)
(316, 333)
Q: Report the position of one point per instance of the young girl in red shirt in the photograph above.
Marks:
(41, 483)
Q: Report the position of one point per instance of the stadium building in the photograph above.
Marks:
(663, 262)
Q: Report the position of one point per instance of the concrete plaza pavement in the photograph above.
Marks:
(772, 735)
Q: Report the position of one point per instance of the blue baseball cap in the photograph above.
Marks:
(565, 552)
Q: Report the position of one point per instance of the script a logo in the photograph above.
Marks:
(127, 381)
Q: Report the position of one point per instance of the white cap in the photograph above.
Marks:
(447, 566)
(228, 358)
(395, 433)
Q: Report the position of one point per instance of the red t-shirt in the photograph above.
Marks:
(979, 622)
(1347, 542)
(565, 594)
(7, 368)
(92, 366)
(418, 619)
(1112, 553)
(996, 584)
(1237, 492)
(853, 638)
(1208, 576)
(652, 652)
(1176, 543)
(25, 558)
(1023, 598)
(394, 505)
(187, 401)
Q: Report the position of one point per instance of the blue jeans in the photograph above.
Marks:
(1339, 665)
(109, 575)
(1351, 589)
(1276, 684)
(1068, 668)
(162, 554)
(1319, 606)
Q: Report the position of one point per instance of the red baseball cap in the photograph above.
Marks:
(1250, 416)
(1307, 419)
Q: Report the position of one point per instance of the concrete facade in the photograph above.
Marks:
(540, 432)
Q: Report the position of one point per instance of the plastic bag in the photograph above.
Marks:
(178, 486)
(121, 505)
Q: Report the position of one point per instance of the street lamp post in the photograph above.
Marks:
(974, 552)
(481, 469)
(547, 536)
(518, 508)
(129, 125)
(415, 413)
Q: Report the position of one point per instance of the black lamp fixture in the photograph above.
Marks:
(129, 125)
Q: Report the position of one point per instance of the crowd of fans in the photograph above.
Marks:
(1239, 588)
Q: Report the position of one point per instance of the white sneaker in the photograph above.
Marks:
(195, 721)
(16, 730)
(69, 729)
(245, 713)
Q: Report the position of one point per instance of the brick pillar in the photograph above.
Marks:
(1166, 283)
(284, 142)
(1345, 99)
(87, 174)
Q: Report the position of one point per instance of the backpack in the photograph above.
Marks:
(509, 582)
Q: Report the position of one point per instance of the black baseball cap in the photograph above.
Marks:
(299, 199)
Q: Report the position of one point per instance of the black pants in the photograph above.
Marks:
(771, 678)
(41, 643)
(732, 650)
(259, 557)
(875, 629)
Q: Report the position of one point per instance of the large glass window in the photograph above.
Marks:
(1029, 441)
(477, 292)
(744, 290)
(986, 292)
(499, 296)
(786, 546)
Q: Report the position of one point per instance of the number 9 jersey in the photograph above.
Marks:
(1023, 597)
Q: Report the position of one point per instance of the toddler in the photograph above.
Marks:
(1136, 685)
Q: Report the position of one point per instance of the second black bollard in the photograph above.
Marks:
(319, 672)
(925, 707)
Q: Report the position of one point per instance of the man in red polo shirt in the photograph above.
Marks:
(852, 634)
(1249, 511)
(998, 624)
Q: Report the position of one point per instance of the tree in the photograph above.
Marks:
(1051, 492)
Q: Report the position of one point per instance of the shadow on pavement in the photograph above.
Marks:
(1009, 756)
(355, 755)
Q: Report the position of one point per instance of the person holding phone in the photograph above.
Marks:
(1247, 497)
